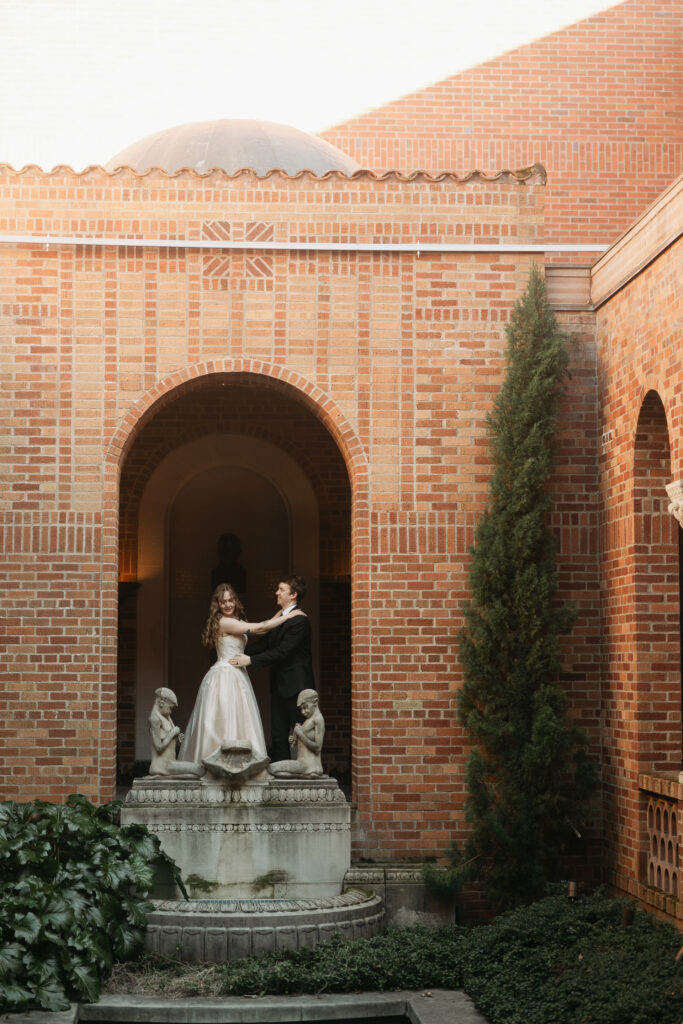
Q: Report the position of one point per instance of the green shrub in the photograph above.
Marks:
(72, 888)
(398, 958)
(569, 963)
(554, 962)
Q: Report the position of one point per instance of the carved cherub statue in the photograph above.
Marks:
(165, 735)
(307, 738)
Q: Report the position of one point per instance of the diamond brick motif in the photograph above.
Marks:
(259, 231)
(259, 266)
(217, 266)
(218, 230)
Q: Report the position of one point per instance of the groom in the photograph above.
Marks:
(286, 651)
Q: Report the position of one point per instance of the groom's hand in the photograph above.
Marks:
(240, 660)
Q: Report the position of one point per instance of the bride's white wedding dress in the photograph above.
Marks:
(225, 708)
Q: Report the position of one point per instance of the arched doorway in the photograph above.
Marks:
(237, 454)
(657, 601)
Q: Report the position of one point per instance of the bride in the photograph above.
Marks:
(226, 707)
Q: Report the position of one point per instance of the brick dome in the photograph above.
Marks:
(231, 145)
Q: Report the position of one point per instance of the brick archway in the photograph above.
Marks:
(319, 403)
(267, 381)
(657, 606)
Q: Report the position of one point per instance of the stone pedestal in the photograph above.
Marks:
(402, 889)
(280, 839)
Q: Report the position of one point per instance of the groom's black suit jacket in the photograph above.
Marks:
(286, 651)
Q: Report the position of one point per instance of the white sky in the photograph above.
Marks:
(81, 79)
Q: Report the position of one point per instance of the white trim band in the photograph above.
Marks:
(224, 244)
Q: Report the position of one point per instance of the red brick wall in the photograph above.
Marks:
(575, 520)
(597, 103)
(640, 367)
(393, 359)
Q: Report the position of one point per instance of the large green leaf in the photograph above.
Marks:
(59, 913)
(28, 927)
(10, 958)
(33, 854)
(51, 996)
(75, 900)
(13, 995)
(145, 845)
(125, 940)
(117, 874)
(93, 916)
(135, 910)
(100, 951)
(7, 812)
(87, 981)
(144, 872)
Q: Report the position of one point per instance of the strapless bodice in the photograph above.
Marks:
(228, 646)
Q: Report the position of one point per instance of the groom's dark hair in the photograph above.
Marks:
(297, 584)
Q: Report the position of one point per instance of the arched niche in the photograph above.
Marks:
(214, 484)
(657, 594)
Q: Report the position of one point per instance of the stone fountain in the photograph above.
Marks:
(263, 849)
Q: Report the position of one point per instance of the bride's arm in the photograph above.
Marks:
(233, 627)
(236, 627)
(259, 628)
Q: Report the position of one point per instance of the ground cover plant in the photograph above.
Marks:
(553, 962)
(570, 963)
(399, 958)
(72, 888)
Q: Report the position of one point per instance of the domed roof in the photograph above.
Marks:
(232, 145)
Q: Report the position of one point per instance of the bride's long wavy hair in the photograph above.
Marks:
(210, 631)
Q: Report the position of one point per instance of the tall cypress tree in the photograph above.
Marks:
(527, 775)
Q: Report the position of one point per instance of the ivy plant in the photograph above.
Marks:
(73, 884)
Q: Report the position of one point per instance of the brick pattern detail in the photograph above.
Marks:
(259, 266)
(33, 532)
(663, 865)
(238, 270)
(218, 230)
(217, 266)
(239, 231)
(257, 231)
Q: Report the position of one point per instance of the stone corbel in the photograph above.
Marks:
(675, 492)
